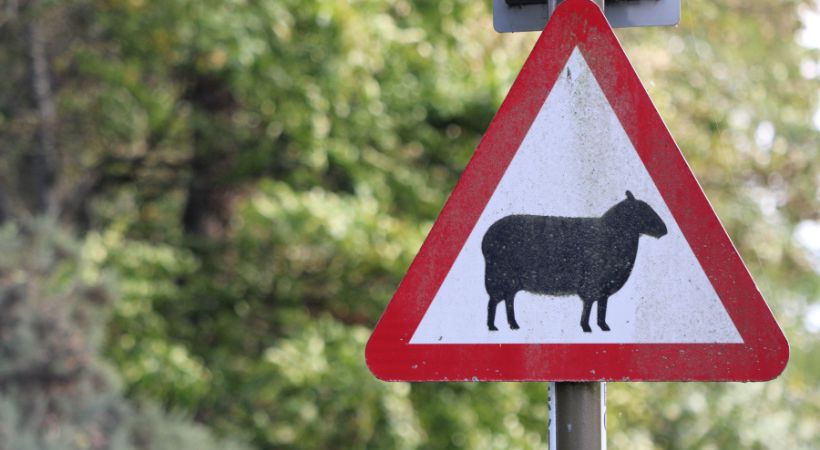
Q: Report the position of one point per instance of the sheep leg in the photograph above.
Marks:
(585, 315)
(491, 313)
(508, 302)
(602, 313)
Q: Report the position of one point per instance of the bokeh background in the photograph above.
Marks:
(206, 205)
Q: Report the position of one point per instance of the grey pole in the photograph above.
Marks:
(577, 416)
(577, 419)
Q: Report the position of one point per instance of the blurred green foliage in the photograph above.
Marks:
(57, 392)
(256, 177)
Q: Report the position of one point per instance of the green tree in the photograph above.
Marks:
(55, 390)
(257, 176)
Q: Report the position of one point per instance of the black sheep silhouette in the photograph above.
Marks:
(588, 256)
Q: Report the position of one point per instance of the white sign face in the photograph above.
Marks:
(632, 13)
(576, 151)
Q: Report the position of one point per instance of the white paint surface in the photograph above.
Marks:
(577, 161)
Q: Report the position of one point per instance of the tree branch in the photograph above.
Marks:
(39, 165)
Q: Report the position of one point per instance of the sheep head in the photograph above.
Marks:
(637, 216)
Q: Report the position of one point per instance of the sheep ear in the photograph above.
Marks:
(629, 195)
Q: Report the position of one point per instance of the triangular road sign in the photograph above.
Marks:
(577, 245)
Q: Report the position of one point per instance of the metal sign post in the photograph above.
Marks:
(577, 416)
(577, 411)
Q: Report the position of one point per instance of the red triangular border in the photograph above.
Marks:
(764, 351)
